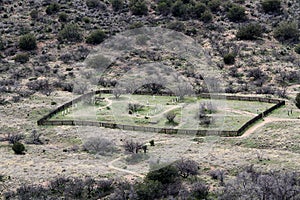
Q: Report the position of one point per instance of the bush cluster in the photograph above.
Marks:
(297, 100)
(250, 32)
(27, 42)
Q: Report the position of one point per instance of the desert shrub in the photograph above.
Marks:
(13, 138)
(218, 175)
(1, 44)
(18, 148)
(135, 158)
(149, 189)
(117, 4)
(138, 7)
(63, 17)
(199, 9)
(236, 13)
(152, 143)
(86, 20)
(251, 184)
(271, 5)
(165, 175)
(297, 100)
(99, 62)
(179, 9)
(34, 138)
(199, 190)
(249, 32)
(187, 167)
(94, 4)
(206, 16)
(101, 146)
(170, 116)
(64, 188)
(22, 57)
(34, 14)
(96, 37)
(287, 32)
(177, 26)
(27, 42)
(164, 7)
(134, 107)
(297, 49)
(71, 33)
(41, 85)
(229, 59)
(214, 5)
(52, 8)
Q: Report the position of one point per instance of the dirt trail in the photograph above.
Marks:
(263, 123)
(110, 165)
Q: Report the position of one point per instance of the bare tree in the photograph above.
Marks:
(187, 167)
(170, 116)
(131, 146)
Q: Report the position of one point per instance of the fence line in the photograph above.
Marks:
(44, 121)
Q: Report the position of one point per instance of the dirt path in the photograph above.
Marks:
(264, 122)
(110, 165)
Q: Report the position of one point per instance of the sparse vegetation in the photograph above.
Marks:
(297, 48)
(98, 145)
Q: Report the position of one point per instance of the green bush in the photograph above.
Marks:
(34, 14)
(214, 5)
(52, 8)
(164, 7)
(229, 59)
(297, 100)
(27, 42)
(271, 5)
(249, 32)
(18, 148)
(287, 32)
(236, 13)
(199, 9)
(149, 190)
(63, 17)
(179, 9)
(71, 33)
(92, 3)
(1, 44)
(138, 7)
(117, 4)
(96, 37)
(165, 175)
(297, 48)
(206, 16)
(22, 57)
